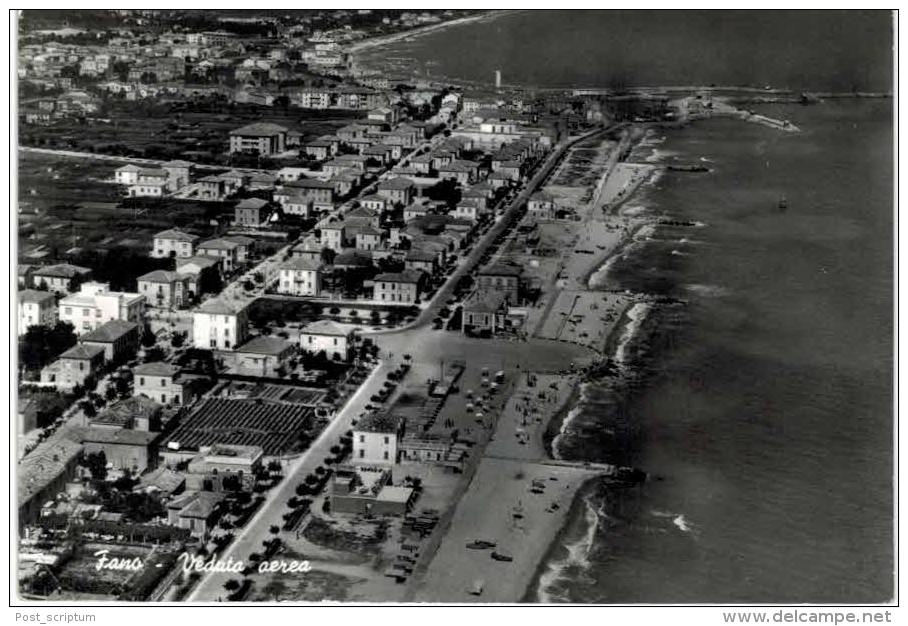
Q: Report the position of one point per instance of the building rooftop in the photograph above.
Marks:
(265, 345)
(157, 368)
(396, 184)
(219, 306)
(62, 270)
(301, 264)
(125, 411)
(160, 276)
(82, 352)
(252, 203)
(259, 129)
(406, 276)
(325, 327)
(33, 295)
(110, 332)
(485, 301)
(309, 183)
(43, 465)
(201, 260)
(120, 436)
(218, 244)
(500, 269)
(379, 423)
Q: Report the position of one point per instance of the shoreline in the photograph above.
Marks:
(385, 40)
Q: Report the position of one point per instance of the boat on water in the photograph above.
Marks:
(783, 203)
(501, 556)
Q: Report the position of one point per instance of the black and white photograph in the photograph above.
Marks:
(454, 307)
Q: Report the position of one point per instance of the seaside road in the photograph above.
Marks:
(249, 540)
(486, 240)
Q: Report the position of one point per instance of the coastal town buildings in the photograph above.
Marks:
(36, 308)
(219, 324)
(95, 305)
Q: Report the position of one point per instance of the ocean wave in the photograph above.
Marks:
(569, 419)
(678, 520)
(636, 314)
(577, 557)
(682, 524)
(632, 210)
(710, 291)
(679, 253)
(660, 155)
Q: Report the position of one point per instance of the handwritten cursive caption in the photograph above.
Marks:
(193, 563)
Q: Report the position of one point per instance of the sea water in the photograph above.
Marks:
(761, 398)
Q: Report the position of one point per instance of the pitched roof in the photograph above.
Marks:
(157, 368)
(309, 183)
(252, 203)
(500, 269)
(176, 235)
(485, 300)
(265, 345)
(109, 332)
(325, 327)
(160, 276)
(33, 295)
(300, 264)
(378, 423)
(82, 352)
(407, 276)
(259, 129)
(120, 436)
(61, 270)
(219, 306)
(218, 244)
(396, 184)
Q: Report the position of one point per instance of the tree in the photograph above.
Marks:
(148, 337)
(327, 256)
(178, 340)
(88, 407)
(232, 585)
(40, 345)
(97, 464)
(274, 530)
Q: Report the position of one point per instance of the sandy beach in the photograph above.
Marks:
(377, 42)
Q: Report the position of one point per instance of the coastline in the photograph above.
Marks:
(384, 40)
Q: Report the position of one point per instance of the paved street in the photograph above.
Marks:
(210, 588)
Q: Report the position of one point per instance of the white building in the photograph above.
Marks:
(219, 325)
(376, 438)
(173, 243)
(300, 277)
(328, 337)
(36, 308)
(126, 175)
(160, 382)
(95, 305)
(332, 237)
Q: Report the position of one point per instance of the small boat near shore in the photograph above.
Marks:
(783, 203)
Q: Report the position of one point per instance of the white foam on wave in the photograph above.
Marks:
(711, 291)
(578, 556)
(645, 233)
(636, 314)
(678, 520)
(679, 253)
(568, 420)
(682, 524)
(631, 210)
(660, 155)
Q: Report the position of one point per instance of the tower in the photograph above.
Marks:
(497, 79)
